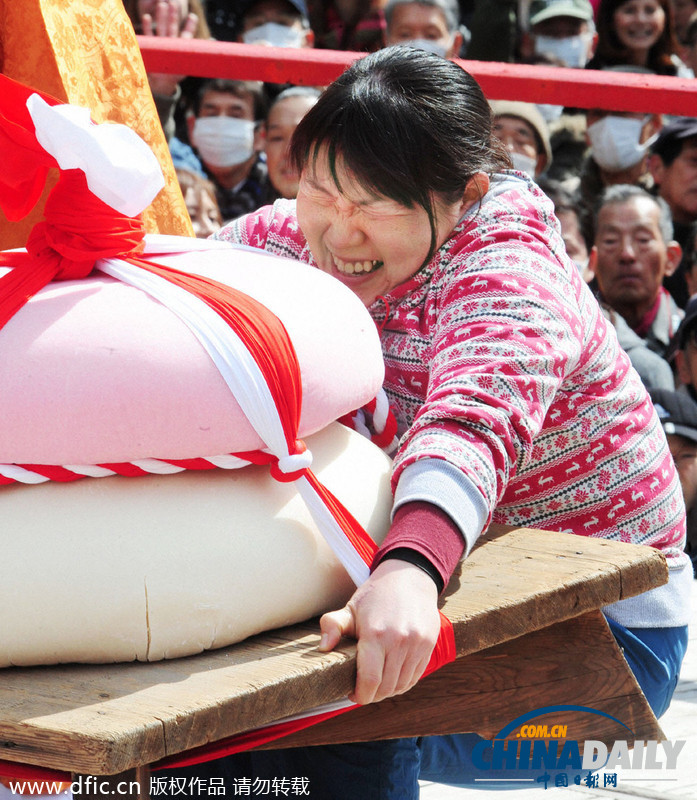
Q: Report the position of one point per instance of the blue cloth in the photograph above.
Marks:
(184, 157)
(391, 769)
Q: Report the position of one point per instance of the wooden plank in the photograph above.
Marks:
(105, 719)
(483, 692)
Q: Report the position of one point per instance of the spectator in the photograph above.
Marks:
(348, 24)
(560, 29)
(494, 30)
(284, 115)
(432, 25)
(226, 131)
(673, 166)
(678, 416)
(653, 370)
(636, 32)
(688, 51)
(683, 351)
(168, 18)
(633, 251)
(567, 212)
(201, 203)
(567, 135)
(682, 12)
(279, 23)
(525, 134)
(619, 154)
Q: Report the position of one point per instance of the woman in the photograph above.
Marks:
(513, 398)
(637, 33)
(285, 112)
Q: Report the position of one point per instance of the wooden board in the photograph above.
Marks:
(483, 692)
(106, 719)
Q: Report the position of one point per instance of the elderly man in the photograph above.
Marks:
(432, 25)
(634, 250)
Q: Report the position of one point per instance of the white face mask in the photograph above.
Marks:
(524, 163)
(615, 142)
(274, 34)
(429, 45)
(223, 141)
(572, 50)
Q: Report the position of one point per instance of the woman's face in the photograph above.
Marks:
(281, 122)
(639, 24)
(372, 244)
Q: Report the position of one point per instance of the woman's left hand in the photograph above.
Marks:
(394, 616)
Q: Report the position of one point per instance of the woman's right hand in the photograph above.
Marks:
(394, 616)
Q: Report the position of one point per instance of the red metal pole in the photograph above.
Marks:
(576, 88)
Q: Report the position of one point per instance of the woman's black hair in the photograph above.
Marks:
(408, 124)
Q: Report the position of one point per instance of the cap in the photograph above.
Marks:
(299, 5)
(531, 115)
(676, 411)
(540, 10)
(680, 128)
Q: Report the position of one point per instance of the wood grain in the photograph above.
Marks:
(103, 720)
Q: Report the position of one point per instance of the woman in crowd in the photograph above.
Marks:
(637, 33)
(286, 111)
(514, 402)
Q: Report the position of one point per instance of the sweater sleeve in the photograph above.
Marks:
(426, 530)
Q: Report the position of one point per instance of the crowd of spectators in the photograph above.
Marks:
(624, 184)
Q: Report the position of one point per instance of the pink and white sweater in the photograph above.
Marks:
(515, 401)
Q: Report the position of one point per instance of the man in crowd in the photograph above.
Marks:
(618, 153)
(279, 23)
(561, 30)
(521, 127)
(226, 133)
(432, 25)
(633, 251)
(673, 165)
(683, 352)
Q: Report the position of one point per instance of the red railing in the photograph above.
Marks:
(570, 87)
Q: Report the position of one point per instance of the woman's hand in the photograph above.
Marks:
(394, 615)
(168, 23)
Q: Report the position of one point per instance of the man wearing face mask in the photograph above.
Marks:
(618, 154)
(432, 25)
(226, 133)
(524, 132)
(277, 23)
(557, 32)
(560, 29)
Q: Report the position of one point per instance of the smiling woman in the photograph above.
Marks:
(514, 401)
(638, 33)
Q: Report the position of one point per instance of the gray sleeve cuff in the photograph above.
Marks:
(438, 482)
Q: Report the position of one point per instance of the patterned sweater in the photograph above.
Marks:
(515, 401)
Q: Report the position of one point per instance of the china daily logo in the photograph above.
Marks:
(523, 749)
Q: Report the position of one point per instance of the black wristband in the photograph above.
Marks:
(418, 560)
